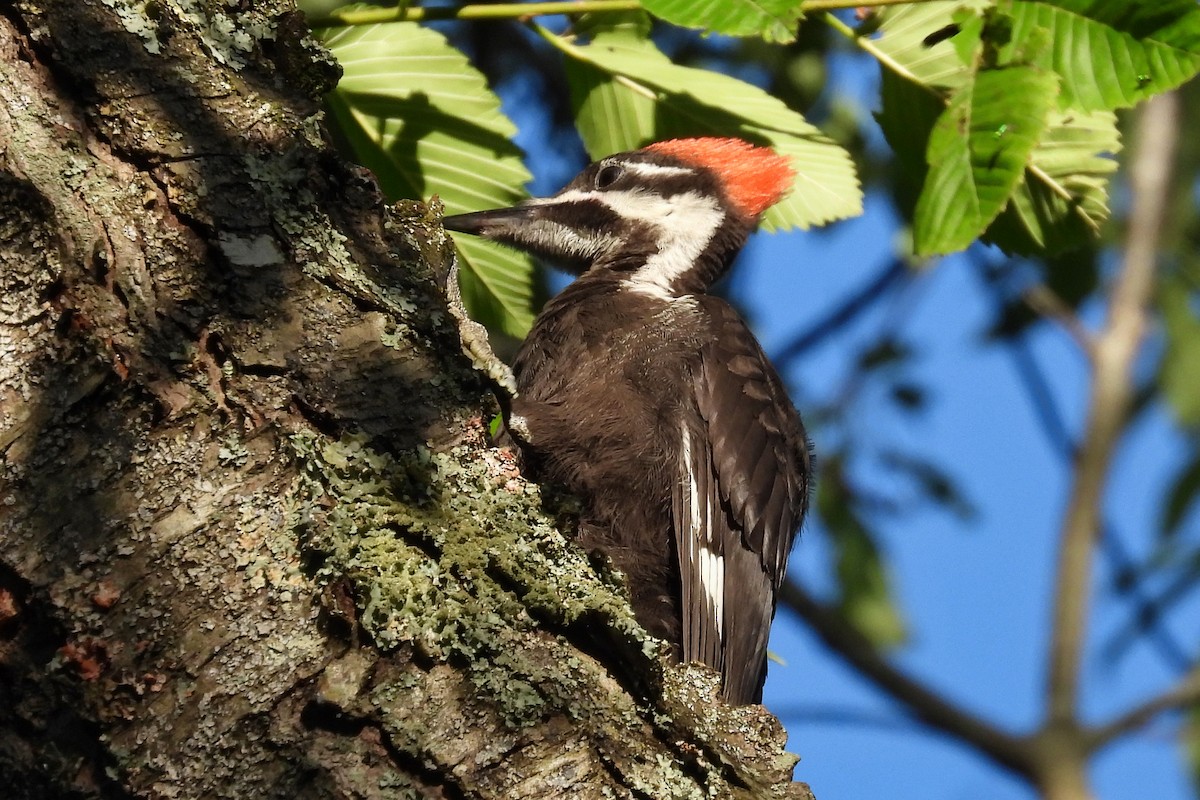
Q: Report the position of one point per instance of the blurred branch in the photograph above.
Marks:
(1186, 693)
(843, 314)
(1041, 396)
(1045, 302)
(1149, 612)
(1054, 428)
(1111, 396)
(1011, 752)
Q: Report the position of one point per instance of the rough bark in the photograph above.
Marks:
(253, 541)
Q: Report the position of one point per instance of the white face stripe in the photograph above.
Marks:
(647, 170)
(556, 237)
(685, 223)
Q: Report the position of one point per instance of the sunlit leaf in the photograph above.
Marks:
(423, 120)
(1061, 199)
(978, 151)
(903, 35)
(1112, 53)
(1064, 198)
(774, 20)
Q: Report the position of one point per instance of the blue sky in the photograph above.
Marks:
(976, 595)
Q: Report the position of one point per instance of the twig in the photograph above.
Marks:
(1111, 395)
(401, 13)
(1045, 301)
(868, 46)
(373, 16)
(1187, 692)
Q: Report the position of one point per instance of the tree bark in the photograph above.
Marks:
(253, 539)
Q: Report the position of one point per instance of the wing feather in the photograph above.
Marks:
(742, 493)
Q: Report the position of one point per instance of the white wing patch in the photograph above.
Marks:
(712, 576)
(710, 565)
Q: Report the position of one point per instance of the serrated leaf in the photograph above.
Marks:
(978, 151)
(1180, 371)
(902, 38)
(1064, 198)
(774, 20)
(908, 114)
(1112, 54)
(865, 596)
(628, 93)
(422, 119)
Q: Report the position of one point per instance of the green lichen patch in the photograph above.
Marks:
(448, 553)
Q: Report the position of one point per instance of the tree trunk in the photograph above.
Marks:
(253, 541)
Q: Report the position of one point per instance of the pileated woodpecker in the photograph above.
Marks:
(652, 401)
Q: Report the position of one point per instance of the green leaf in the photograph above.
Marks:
(1184, 493)
(1064, 198)
(978, 151)
(902, 36)
(627, 93)
(1189, 734)
(865, 593)
(422, 119)
(774, 20)
(1112, 53)
(1180, 371)
(907, 116)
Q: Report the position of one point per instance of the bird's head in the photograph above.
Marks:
(671, 215)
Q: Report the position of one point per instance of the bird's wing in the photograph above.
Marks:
(741, 495)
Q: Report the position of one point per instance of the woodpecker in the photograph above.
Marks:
(652, 401)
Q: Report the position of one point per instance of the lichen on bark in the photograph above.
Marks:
(253, 539)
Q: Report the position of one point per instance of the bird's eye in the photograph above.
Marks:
(607, 176)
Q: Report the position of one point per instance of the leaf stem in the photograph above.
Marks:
(402, 13)
(373, 16)
(867, 46)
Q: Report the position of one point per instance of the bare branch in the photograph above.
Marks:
(1111, 396)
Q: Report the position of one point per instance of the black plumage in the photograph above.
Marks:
(653, 402)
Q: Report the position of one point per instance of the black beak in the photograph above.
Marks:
(490, 223)
(546, 228)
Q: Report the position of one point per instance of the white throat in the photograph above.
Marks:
(686, 223)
